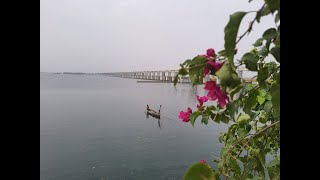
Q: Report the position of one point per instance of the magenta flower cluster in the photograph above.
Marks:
(214, 90)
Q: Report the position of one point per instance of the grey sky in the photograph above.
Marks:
(131, 35)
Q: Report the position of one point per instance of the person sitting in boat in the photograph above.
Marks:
(147, 107)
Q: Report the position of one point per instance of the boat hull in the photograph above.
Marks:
(153, 114)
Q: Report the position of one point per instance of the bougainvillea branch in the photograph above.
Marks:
(254, 114)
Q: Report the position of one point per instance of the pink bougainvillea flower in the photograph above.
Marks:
(215, 93)
(210, 52)
(222, 99)
(202, 99)
(185, 115)
(203, 161)
(212, 95)
(220, 95)
(208, 67)
(211, 64)
(210, 85)
(215, 65)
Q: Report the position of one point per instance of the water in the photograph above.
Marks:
(94, 127)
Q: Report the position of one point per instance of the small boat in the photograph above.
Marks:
(153, 113)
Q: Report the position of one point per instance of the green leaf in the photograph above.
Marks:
(258, 42)
(262, 157)
(274, 172)
(248, 127)
(264, 12)
(181, 72)
(224, 118)
(228, 77)
(256, 177)
(268, 44)
(231, 107)
(194, 116)
(273, 5)
(267, 107)
(198, 60)
(248, 87)
(218, 118)
(263, 117)
(262, 92)
(232, 163)
(243, 119)
(276, 77)
(223, 152)
(270, 34)
(261, 99)
(268, 96)
(275, 51)
(262, 75)
(277, 18)
(259, 167)
(209, 109)
(196, 74)
(275, 93)
(215, 118)
(233, 92)
(254, 114)
(264, 51)
(272, 66)
(199, 171)
(242, 132)
(250, 61)
(230, 35)
(185, 63)
(222, 53)
(274, 162)
(205, 119)
(251, 101)
(277, 41)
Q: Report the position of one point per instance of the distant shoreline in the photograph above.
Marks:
(75, 73)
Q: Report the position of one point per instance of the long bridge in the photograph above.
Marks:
(164, 76)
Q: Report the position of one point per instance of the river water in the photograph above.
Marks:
(95, 127)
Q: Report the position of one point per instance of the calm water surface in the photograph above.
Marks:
(94, 127)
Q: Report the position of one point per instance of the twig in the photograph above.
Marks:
(251, 23)
(254, 77)
(239, 65)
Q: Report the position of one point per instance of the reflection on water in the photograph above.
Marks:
(159, 124)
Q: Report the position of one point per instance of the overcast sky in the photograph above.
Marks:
(132, 35)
